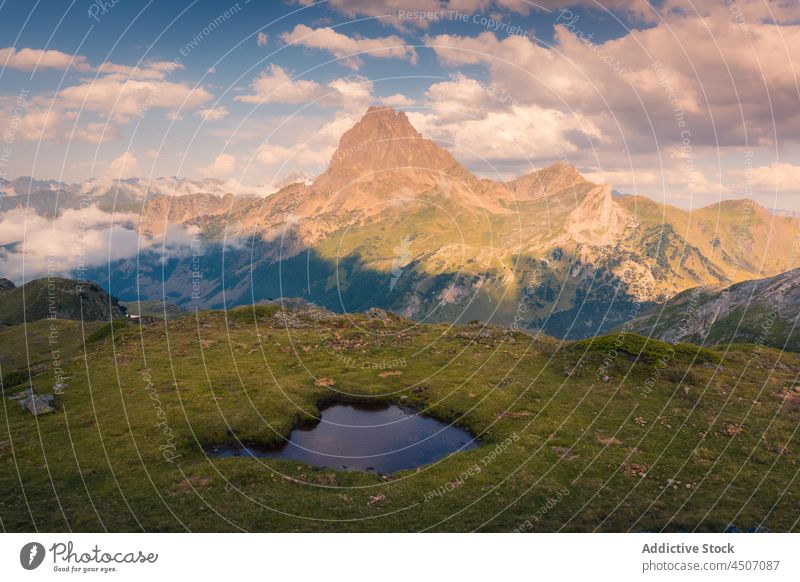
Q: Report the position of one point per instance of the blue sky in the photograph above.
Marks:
(684, 102)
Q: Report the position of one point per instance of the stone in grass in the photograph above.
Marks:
(379, 314)
(22, 394)
(38, 404)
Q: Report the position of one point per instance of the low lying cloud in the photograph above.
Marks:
(32, 245)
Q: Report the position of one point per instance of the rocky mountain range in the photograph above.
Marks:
(397, 222)
(51, 197)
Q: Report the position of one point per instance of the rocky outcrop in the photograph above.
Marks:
(38, 404)
(597, 219)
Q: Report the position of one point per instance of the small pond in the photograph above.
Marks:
(358, 437)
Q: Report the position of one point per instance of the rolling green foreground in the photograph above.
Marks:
(617, 434)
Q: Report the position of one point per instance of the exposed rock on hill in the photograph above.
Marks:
(762, 311)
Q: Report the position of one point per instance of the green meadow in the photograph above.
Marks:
(616, 434)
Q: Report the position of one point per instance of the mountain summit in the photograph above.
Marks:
(383, 152)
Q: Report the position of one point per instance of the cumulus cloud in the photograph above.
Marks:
(277, 86)
(94, 109)
(728, 81)
(402, 15)
(396, 100)
(223, 166)
(350, 49)
(312, 154)
(781, 178)
(150, 70)
(30, 60)
(261, 39)
(481, 125)
(214, 113)
(121, 101)
(124, 166)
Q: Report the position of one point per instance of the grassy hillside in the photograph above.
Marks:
(38, 346)
(57, 298)
(613, 435)
(153, 308)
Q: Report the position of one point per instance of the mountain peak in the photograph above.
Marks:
(379, 123)
(554, 178)
(384, 144)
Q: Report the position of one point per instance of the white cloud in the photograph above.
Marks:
(224, 165)
(261, 39)
(28, 59)
(121, 101)
(93, 110)
(347, 48)
(718, 72)
(124, 166)
(214, 113)
(277, 86)
(311, 155)
(77, 236)
(396, 100)
(89, 237)
(401, 14)
(479, 125)
(149, 71)
(779, 178)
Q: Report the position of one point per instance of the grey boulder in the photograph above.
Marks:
(38, 404)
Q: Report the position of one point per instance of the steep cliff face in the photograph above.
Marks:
(597, 219)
